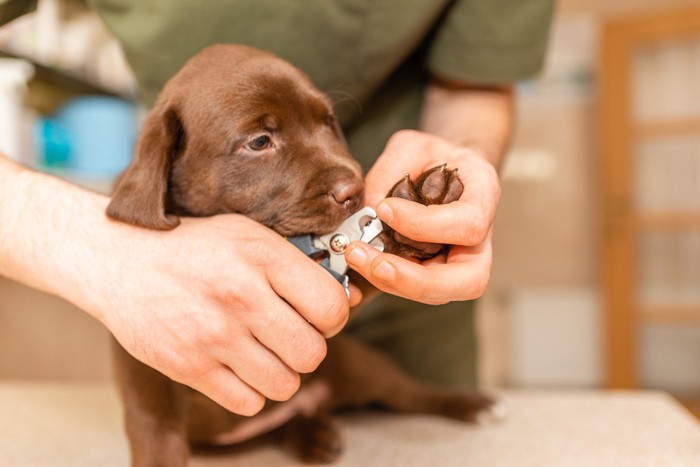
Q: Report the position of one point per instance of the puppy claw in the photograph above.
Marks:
(454, 187)
(404, 189)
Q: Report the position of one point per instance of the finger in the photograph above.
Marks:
(225, 388)
(406, 151)
(355, 295)
(458, 223)
(463, 279)
(261, 369)
(309, 289)
(439, 259)
(287, 334)
(386, 172)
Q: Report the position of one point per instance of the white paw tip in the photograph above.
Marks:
(494, 414)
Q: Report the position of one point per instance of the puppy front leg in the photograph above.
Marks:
(154, 413)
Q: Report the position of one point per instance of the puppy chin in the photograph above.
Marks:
(310, 217)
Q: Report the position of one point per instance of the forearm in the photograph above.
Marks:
(46, 229)
(208, 304)
(477, 117)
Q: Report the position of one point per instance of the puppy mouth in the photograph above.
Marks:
(292, 227)
(313, 217)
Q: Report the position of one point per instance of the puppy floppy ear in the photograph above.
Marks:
(140, 192)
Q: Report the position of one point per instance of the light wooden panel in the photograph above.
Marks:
(621, 38)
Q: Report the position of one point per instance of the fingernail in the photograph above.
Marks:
(384, 212)
(357, 255)
(385, 271)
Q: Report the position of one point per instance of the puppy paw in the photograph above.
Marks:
(315, 440)
(496, 412)
(478, 408)
(438, 185)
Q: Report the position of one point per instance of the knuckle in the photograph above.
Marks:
(497, 190)
(480, 286)
(260, 253)
(286, 387)
(314, 355)
(481, 232)
(417, 288)
(199, 372)
(484, 283)
(336, 314)
(229, 294)
(403, 137)
(209, 337)
(420, 292)
(182, 369)
(248, 405)
(476, 231)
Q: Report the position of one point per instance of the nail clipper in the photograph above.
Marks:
(364, 226)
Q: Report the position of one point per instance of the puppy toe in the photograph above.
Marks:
(316, 439)
(431, 185)
(496, 413)
(404, 189)
(454, 187)
(477, 408)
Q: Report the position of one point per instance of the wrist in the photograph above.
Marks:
(476, 117)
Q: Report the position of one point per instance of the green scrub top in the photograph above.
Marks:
(373, 57)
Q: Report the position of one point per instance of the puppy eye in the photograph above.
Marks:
(259, 143)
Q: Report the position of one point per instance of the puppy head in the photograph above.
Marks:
(240, 130)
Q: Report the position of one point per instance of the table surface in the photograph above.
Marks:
(80, 425)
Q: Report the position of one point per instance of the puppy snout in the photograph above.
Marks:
(348, 193)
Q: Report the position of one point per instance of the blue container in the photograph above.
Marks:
(91, 135)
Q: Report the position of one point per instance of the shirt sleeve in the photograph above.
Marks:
(11, 9)
(491, 41)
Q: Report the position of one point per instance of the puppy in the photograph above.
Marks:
(240, 130)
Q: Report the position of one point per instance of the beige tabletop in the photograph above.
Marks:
(79, 425)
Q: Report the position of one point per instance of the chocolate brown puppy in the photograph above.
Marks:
(240, 130)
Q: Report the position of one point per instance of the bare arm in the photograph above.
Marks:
(36, 228)
(476, 117)
(209, 304)
(467, 127)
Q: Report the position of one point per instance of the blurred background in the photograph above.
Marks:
(596, 281)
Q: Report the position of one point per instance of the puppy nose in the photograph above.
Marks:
(348, 192)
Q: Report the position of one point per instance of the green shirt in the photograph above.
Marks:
(371, 56)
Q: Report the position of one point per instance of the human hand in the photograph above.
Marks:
(461, 274)
(223, 305)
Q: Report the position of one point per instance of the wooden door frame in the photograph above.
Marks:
(619, 40)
